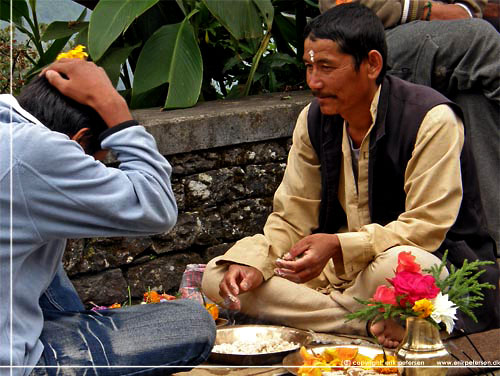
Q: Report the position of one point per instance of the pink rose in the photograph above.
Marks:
(406, 262)
(414, 286)
(385, 295)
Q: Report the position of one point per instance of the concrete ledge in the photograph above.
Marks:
(225, 122)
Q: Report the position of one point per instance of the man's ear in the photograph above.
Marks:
(375, 63)
(81, 135)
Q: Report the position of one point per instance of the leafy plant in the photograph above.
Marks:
(25, 20)
(20, 59)
(174, 53)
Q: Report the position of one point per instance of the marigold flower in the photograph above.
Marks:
(213, 310)
(424, 306)
(75, 53)
(151, 297)
(390, 364)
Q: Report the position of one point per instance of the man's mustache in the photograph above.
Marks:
(318, 94)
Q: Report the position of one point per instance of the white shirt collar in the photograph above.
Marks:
(14, 105)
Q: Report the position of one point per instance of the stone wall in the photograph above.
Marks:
(228, 158)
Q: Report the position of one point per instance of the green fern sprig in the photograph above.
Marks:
(462, 285)
(378, 311)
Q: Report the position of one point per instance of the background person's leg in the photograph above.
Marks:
(484, 135)
(459, 59)
(450, 56)
(177, 333)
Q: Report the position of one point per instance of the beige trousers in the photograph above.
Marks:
(297, 305)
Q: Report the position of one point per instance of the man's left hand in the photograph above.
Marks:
(308, 257)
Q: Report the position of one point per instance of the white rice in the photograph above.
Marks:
(261, 347)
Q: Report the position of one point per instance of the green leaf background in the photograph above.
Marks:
(171, 55)
(109, 19)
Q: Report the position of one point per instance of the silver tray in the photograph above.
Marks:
(293, 361)
(254, 333)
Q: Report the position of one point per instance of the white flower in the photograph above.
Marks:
(444, 311)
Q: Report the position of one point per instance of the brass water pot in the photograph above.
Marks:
(421, 346)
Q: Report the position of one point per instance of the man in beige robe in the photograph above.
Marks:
(293, 276)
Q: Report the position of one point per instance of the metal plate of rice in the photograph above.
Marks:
(256, 344)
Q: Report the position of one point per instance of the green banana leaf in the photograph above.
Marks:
(61, 29)
(267, 10)
(113, 60)
(109, 19)
(180, 3)
(241, 18)
(32, 4)
(19, 10)
(83, 36)
(171, 55)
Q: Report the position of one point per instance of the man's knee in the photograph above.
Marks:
(388, 260)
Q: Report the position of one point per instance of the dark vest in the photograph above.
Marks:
(401, 109)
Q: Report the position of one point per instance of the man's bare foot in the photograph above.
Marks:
(388, 333)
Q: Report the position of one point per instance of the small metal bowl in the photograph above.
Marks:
(253, 334)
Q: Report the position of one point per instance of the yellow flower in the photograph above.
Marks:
(424, 306)
(75, 53)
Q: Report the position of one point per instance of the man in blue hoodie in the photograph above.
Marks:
(53, 188)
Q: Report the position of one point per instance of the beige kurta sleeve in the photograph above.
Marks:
(295, 208)
(433, 189)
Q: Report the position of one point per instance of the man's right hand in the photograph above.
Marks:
(88, 84)
(238, 279)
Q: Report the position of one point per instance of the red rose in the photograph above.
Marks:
(414, 286)
(406, 262)
(385, 295)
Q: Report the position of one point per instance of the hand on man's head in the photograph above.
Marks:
(86, 83)
(81, 80)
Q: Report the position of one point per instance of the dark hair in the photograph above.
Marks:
(355, 28)
(60, 113)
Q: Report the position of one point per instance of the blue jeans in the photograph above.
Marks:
(136, 340)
